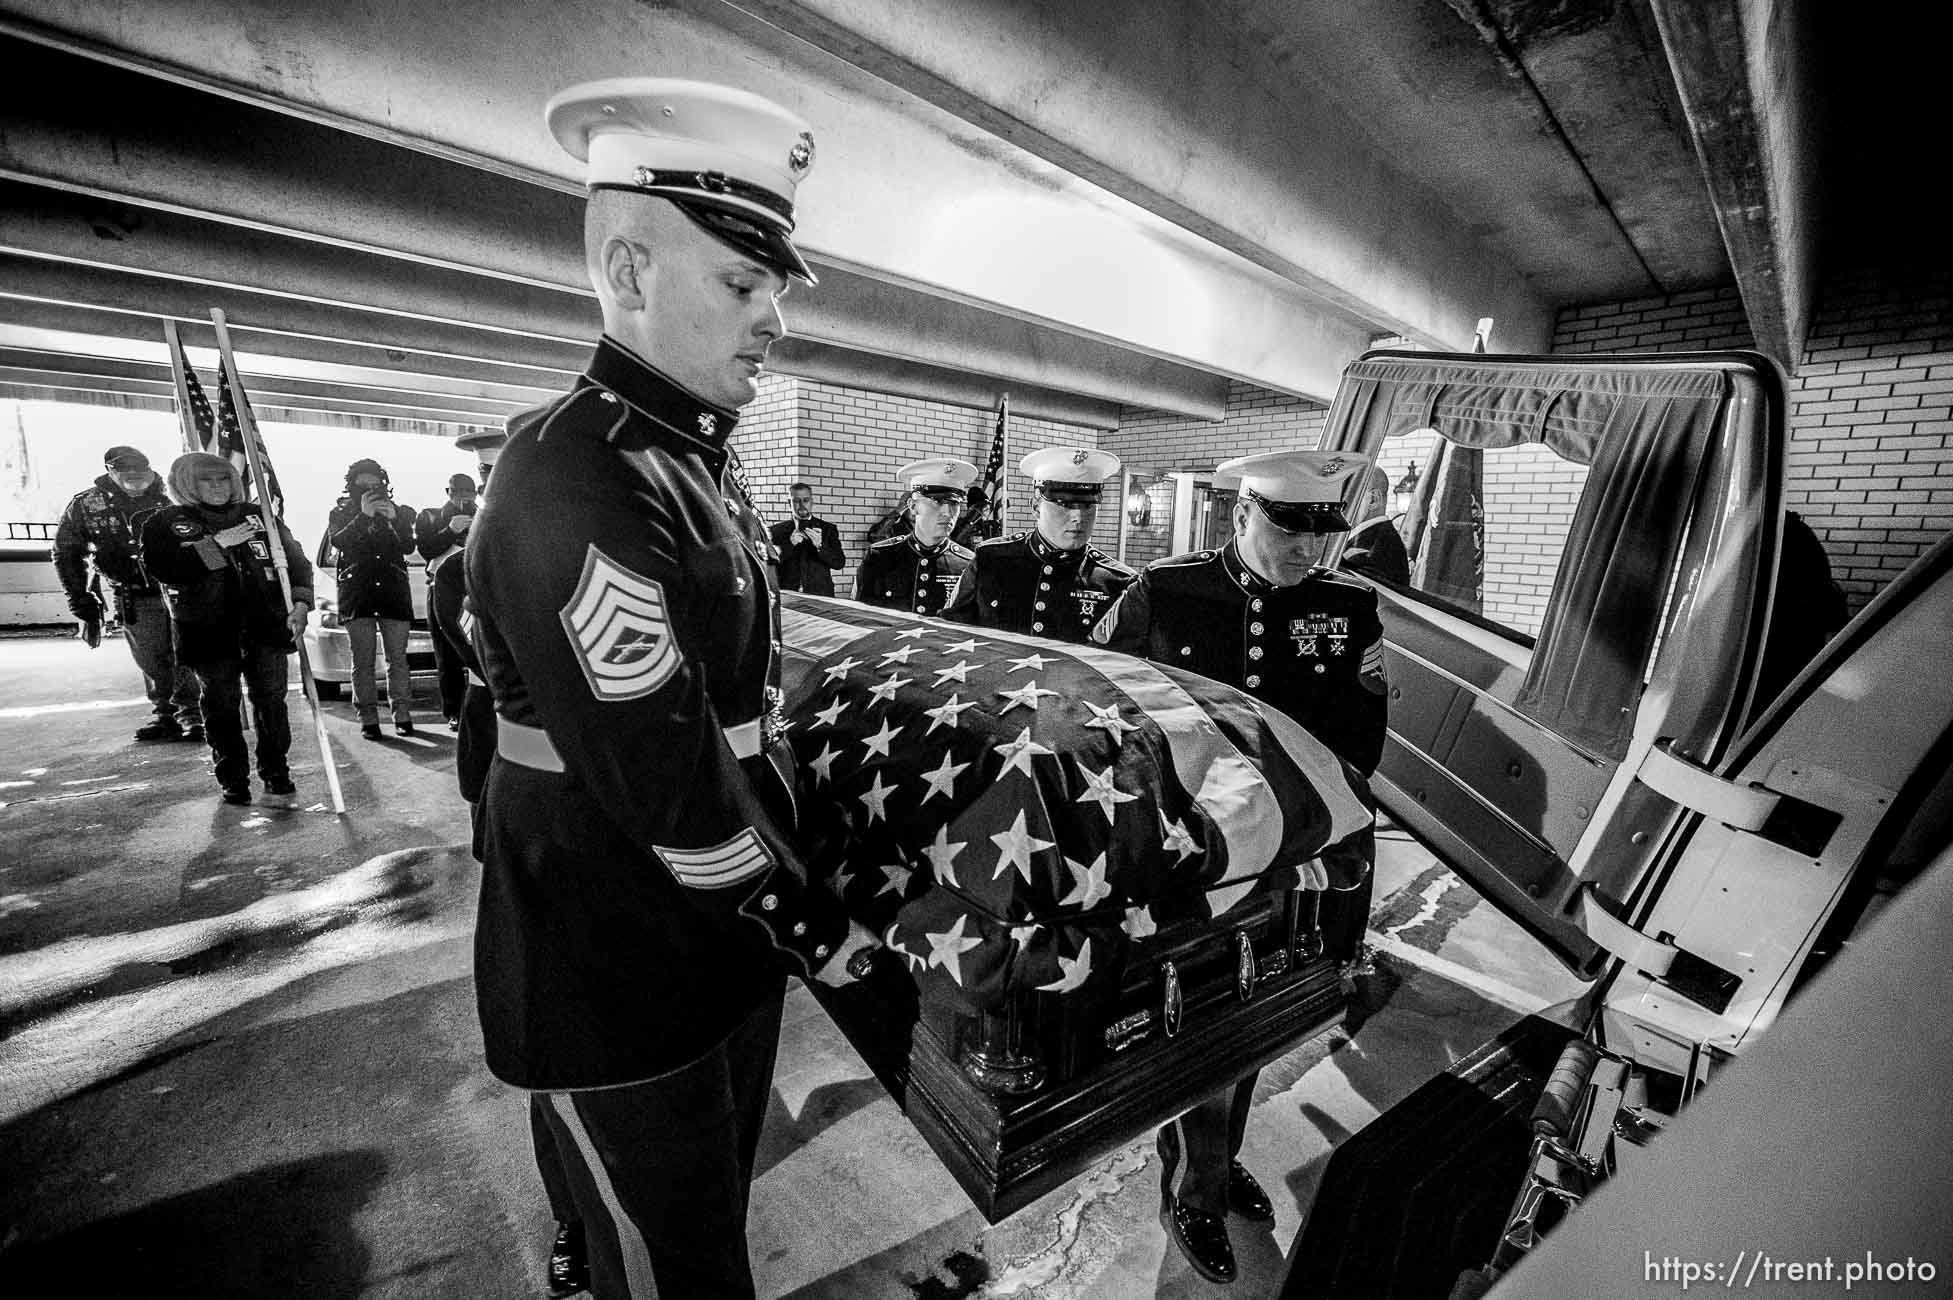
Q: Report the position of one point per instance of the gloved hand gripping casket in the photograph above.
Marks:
(1085, 868)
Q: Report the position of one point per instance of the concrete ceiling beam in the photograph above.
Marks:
(900, 193)
(140, 395)
(1742, 69)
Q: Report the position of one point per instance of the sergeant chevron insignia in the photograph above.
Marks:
(618, 625)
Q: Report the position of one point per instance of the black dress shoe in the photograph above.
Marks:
(194, 732)
(404, 727)
(237, 794)
(1245, 1197)
(1201, 1237)
(370, 730)
(159, 729)
(569, 1266)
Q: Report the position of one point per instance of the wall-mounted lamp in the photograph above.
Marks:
(1405, 490)
(1139, 506)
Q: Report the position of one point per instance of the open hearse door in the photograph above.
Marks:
(1586, 744)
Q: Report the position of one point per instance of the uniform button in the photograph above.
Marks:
(1321, 669)
(1255, 605)
(800, 927)
(1037, 627)
(1044, 586)
(1253, 681)
(1047, 568)
(1039, 605)
(993, 604)
(1255, 629)
(1186, 649)
(770, 902)
(820, 950)
(920, 610)
(889, 592)
(606, 397)
(1254, 652)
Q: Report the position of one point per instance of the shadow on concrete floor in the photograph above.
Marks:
(284, 1229)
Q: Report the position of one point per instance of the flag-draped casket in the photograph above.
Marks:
(1090, 873)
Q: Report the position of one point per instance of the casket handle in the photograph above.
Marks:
(1244, 965)
(1170, 1001)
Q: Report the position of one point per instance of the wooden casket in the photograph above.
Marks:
(1088, 871)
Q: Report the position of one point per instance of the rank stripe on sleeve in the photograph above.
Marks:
(739, 858)
(617, 622)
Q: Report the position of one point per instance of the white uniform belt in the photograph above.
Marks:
(531, 747)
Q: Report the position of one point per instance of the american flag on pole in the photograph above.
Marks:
(230, 443)
(990, 522)
(203, 421)
(1012, 814)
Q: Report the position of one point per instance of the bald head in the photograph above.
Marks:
(698, 309)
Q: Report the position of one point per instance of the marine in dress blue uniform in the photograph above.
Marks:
(918, 571)
(642, 902)
(1049, 581)
(1260, 615)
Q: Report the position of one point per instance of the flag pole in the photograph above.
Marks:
(247, 424)
(178, 364)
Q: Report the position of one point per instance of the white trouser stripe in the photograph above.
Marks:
(630, 1242)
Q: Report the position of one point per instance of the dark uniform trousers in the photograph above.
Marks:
(898, 574)
(642, 901)
(1024, 584)
(260, 674)
(1315, 651)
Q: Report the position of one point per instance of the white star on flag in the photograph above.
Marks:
(879, 742)
(900, 656)
(875, 798)
(1035, 663)
(1139, 923)
(944, 714)
(897, 879)
(1026, 695)
(1100, 790)
(968, 647)
(1109, 721)
(942, 856)
(832, 713)
(886, 691)
(823, 763)
(911, 633)
(894, 944)
(958, 671)
(842, 879)
(1087, 883)
(946, 949)
(1021, 934)
(1015, 847)
(842, 669)
(1019, 753)
(942, 781)
(1178, 838)
(1076, 970)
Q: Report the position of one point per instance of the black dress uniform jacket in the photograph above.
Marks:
(898, 574)
(108, 521)
(226, 599)
(1024, 584)
(639, 903)
(1313, 650)
(447, 607)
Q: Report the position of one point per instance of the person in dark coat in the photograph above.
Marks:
(234, 628)
(1258, 615)
(917, 571)
(808, 547)
(102, 530)
(370, 534)
(439, 535)
(1050, 581)
(643, 899)
(1374, 547)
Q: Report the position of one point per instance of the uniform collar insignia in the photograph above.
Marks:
(653, 394)
(1244, 577)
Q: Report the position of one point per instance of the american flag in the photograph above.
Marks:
(990, 521)
(203, 420)
(229, 442)
(1009, 813)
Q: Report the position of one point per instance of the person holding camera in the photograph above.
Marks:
(372, 534)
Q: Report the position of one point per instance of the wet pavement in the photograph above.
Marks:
(240, 1055)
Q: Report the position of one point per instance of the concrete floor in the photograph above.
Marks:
(241, 1057)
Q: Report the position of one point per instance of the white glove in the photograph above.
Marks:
(238, 534)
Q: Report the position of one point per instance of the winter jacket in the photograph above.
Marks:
(107, 522)
(225, 599)
(372, 560)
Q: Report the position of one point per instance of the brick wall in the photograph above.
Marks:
(1870, 457)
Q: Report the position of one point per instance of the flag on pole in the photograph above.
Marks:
(990, 518)
(198, 420)
(230, 442)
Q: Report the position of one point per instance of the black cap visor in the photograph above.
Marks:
(949, 496)
(757, 239)
(1303, 516)
(1072, 494)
